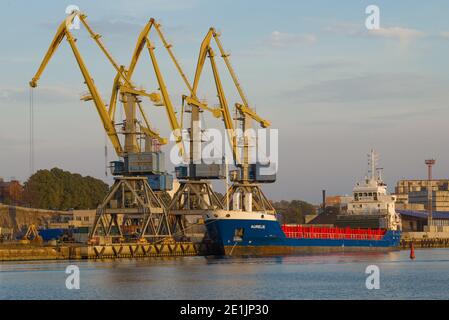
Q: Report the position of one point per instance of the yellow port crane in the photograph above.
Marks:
(31, 235)
(131, 200)
(223, 111)
(246, 113)
(193, 195)
(162, 99)
(245, 188)
(107, 116)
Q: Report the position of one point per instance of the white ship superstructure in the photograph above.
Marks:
(370, 198)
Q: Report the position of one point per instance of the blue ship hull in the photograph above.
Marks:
(262, 237)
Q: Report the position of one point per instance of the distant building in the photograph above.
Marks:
(412, 194)
(6, 234)
(406, 186)
(73, 219)
(11, 192)
(79, 221)
(416, 221)
(328, 216)
(333, 201)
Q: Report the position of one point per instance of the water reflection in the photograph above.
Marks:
(324, 276)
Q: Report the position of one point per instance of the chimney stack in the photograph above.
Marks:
(324, 200)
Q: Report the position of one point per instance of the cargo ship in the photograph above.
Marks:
(245, 232)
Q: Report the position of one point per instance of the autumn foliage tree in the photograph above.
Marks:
(61, 190)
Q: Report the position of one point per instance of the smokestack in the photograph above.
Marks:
(324, 200)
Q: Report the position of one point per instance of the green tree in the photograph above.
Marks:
(61, 190)
(293, 211)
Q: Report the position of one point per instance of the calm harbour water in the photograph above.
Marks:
(329, 276)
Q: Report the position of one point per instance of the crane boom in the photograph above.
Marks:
(227, 118)
(96, 37)
(140, 44)
(63, 31)
(144, 41)
(225, 57)
(176, 128)
(202, 59)
(206, 51)
(168, 46)
(246, 112)
(122, 81)
(59, 36)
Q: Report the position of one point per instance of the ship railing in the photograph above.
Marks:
(315, 235)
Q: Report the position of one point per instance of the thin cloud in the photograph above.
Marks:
(350, 29)
(124, 26)
(282, 39)
(146, 7)
(332, 64)
(373, 87)
(45, 94)
(117, 26)
(444, 35)
(402, 34)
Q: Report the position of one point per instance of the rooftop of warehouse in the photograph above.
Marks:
(424, 214)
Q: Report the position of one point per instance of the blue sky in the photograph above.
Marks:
(333, 89)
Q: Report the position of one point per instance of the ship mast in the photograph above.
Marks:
(372, 160)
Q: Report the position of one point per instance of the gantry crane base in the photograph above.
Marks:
(131, 212)
(193, 198)
(260, 201)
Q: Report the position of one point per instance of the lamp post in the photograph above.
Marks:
(429, 164)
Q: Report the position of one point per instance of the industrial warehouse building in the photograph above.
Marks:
(413, 195)
(416, 221)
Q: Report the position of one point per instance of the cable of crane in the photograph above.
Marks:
(203, 132)
(105, 154)
(31, 129)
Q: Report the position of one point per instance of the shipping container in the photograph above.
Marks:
(117, 168)
(145, 162)
(161, 182)
(207, 171)
(181, 172)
